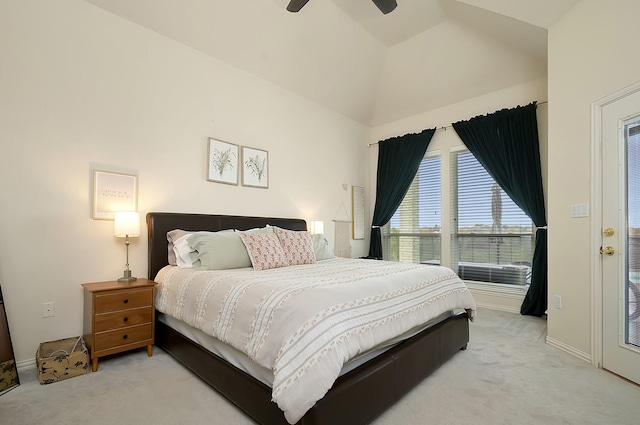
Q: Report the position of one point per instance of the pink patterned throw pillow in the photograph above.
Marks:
(297, 247)
(264, 250)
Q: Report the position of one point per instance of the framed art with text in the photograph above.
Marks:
(113, 192)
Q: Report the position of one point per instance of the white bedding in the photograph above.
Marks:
(262, 374)
(305, 322)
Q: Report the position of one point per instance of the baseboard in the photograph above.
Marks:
(26, 364)
(507, 309)
(569, 349)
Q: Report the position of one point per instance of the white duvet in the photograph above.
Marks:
(305, 322)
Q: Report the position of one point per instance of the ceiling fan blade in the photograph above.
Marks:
(296, 5)
(385, 6)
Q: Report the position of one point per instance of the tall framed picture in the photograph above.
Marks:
(357, 210)
(255, 167)
(113, 192)
(222, 163)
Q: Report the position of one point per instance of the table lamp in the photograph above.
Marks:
(126, 224)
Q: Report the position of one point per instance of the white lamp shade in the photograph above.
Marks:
(126, 223)
(317, 227)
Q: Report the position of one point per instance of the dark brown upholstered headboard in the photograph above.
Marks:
(159, 223)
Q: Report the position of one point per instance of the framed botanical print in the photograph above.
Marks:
(222, 164)
(255, 167)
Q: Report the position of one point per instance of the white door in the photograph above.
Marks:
(620, 251)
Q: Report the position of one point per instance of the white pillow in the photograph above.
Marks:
(185, 255)
(266, 229)
(321, 247)
(173, 236)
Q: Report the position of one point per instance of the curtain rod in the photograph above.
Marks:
(445, 127)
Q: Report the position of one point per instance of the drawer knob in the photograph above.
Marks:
(126, 319)
(125, 300)
(124, 336)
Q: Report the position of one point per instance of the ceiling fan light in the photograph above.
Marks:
(386, 6)
(295, 5)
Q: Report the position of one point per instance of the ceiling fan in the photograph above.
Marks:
(385, 6)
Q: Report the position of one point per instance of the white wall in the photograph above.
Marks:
(444, 140)
(81, 88)
(591, 54)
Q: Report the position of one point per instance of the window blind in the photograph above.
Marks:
(413, 233)
(492, 239)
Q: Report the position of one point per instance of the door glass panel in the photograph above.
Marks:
(632, 297)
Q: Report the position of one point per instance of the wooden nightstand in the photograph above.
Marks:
(118, 317)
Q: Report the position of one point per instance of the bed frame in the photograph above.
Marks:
(357, 397)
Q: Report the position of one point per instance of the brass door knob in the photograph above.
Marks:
(608, 250)
(608, 232)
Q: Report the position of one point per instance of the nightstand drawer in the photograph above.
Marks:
(115, 301)
(112, 339)
(123, 318)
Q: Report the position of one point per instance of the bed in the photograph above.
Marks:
(356, 397)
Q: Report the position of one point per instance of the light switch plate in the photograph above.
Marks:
(580, 210)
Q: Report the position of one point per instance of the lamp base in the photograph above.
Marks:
(127, 277)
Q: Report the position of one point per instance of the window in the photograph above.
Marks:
(413, 233)
(488, 238)
(491, 237)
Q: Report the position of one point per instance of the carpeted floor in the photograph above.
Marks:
(508, 375)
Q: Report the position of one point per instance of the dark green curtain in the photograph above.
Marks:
(506, 144)
(398, 162)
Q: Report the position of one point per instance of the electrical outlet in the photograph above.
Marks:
(558, 301)
(48, 309)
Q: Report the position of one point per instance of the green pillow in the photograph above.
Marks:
(219, 250)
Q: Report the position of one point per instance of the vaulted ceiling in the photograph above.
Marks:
(349, 57)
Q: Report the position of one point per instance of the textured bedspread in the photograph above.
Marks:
(304, 322)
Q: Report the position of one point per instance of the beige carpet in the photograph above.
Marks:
(507, 376)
